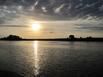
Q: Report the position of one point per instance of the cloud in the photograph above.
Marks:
(22, 11)
(61, 9)
(92, 28)
(93, 25)
(58, 9)
(89, 27)
(13, 25)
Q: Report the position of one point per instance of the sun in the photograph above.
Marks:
(36, 26)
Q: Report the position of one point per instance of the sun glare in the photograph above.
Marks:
(36, 26)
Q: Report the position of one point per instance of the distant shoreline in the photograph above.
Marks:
(71, 38)
(59, 39)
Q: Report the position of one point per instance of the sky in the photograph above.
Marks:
(58, 18)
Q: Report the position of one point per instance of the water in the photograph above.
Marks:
(52, 59)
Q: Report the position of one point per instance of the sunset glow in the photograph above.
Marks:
(36, 26)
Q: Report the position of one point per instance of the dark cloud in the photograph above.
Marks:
(1, 21)
(70, 8)
(91, 26)
(13, 26)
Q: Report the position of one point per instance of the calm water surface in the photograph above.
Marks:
(52, 59)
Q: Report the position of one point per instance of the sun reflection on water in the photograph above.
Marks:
(36, 59)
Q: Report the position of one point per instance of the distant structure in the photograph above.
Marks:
(11, 37)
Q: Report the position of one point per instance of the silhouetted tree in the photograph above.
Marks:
(89, 37)
(12, 37)
(80, 37)
(71, 36)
